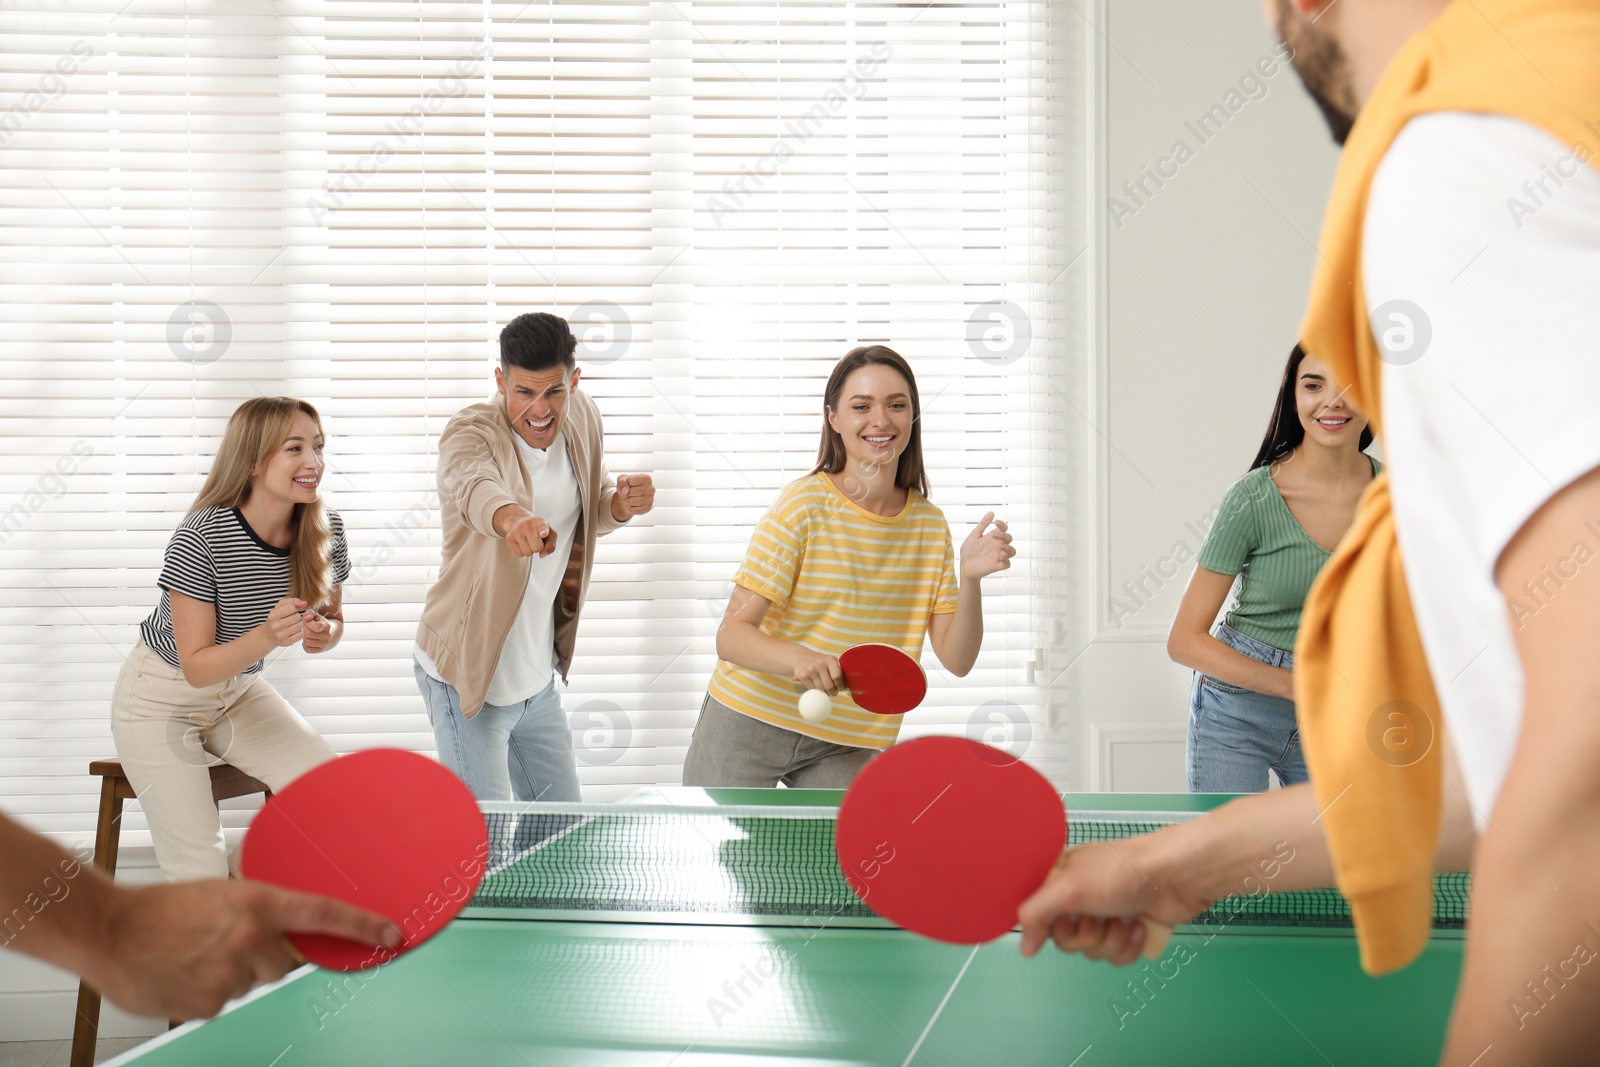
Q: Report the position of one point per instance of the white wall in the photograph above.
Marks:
(1200, 286)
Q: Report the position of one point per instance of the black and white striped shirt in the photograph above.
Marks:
(215, 556)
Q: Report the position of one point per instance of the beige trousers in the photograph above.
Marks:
(167, 732)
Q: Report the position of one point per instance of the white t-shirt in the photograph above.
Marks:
(1498, 412)
(527, 662)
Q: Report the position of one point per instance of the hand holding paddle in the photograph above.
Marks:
(388, 831)
(181, 951)
(947, 837)
(818, 671)
(881, 678)
(1109, 901)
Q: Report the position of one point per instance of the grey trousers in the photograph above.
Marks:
(733, 750)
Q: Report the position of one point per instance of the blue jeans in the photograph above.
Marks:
(517, 751)
(1236, 734)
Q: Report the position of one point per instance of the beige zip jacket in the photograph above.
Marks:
(471, 607)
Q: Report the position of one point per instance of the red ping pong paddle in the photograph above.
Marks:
(947, 837)
(390, 831)
(881, 678)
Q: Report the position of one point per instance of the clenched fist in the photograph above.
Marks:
(318, 632)
(636, 494)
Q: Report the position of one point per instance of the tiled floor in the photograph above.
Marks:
(56, 1053)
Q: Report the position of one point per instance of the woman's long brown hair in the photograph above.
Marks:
(256, 431)
(830, 453)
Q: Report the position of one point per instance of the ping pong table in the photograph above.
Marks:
(591, 944)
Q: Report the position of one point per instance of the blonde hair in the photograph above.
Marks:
(254, 434)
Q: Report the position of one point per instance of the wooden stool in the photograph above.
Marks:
(226, 782)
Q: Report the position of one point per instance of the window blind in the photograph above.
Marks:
(345, 201)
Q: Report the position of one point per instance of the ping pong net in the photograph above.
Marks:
(770, 864)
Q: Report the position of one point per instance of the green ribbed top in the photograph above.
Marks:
(1257, 537)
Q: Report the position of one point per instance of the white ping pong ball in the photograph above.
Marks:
(815, 705)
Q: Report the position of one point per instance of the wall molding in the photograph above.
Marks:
(1104, 738)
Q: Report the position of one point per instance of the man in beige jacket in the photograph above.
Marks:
(523, 494)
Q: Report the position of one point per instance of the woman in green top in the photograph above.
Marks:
(1276, 528)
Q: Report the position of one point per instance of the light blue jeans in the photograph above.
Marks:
(511, 752)
(1236, 734)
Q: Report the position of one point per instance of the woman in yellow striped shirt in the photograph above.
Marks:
(851, 553)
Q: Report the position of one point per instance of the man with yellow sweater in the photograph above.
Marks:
(1446, 670)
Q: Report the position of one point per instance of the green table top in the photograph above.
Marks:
(491, 990)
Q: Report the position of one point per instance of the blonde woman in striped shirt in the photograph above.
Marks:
(257, 565)
(1276, 528)
(851, 553)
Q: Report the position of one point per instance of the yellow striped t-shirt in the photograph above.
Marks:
(836, 576)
